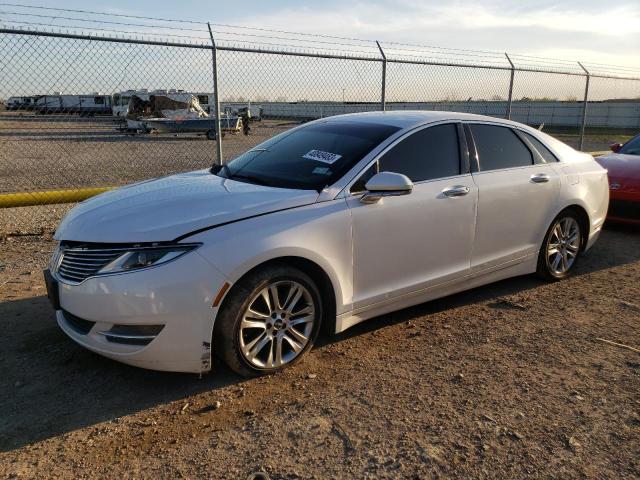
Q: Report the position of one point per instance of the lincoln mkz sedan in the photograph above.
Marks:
(325, 225)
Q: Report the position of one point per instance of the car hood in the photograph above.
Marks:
(167, 208)
(621, 165)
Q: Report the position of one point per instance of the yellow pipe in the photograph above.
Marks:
(27, 199)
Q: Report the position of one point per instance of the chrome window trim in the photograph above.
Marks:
(534, 153)
(383, 148)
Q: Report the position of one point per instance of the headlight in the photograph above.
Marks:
(144, 257)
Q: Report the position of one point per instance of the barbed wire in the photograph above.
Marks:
(294, 40)
(108, 22)
(109, 30)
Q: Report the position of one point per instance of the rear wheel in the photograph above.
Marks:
(269, 321)
(211, 134)
(561, 247)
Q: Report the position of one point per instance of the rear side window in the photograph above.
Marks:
(542, 150)
(499, 147)
(428, 154)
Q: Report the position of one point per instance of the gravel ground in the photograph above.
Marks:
(64, 152)
(507, 380)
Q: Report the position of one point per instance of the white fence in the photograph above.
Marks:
(614, 114)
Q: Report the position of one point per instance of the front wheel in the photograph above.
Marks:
(269, 321)
(561, 247)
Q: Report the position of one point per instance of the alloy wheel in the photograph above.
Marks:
(563, 246)
(277, 325)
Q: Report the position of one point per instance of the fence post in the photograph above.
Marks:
(510, 99)
(383, 101)
(216, 98)
(584, 107)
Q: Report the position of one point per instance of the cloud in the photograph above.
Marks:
(595, 31)
(618, 22)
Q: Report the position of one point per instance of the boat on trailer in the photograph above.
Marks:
(231, 124)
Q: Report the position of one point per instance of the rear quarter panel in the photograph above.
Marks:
(584, 182)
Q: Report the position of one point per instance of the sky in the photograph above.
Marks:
(587, 30)
(593, 32)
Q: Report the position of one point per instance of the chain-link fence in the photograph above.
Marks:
(85, 112)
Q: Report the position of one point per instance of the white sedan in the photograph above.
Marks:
(328, 224)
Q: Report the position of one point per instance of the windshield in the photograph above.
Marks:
(632, 147)
(308, 158)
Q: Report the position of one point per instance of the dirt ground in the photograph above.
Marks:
(504, 381)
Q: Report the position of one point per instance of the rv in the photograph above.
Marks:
(20, 103)
(91, 104)
(121, 100)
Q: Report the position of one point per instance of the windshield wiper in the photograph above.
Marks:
(238, 176)
(215, 169)
(249, 178)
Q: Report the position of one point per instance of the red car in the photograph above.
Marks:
(624, 181)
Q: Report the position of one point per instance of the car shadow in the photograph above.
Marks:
(50, 386)
(618, 245)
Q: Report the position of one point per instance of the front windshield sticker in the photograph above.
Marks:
(321, 171)
(321, 156)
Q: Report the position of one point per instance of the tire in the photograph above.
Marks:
(211, 134)
(565, 237)
(273, 335)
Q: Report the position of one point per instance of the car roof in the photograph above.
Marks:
(408, 118)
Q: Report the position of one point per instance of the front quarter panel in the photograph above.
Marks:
(320, 233)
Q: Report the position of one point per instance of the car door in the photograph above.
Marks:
(518, 192)
(406, 243)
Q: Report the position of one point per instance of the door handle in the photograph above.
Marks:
(455, 191)
(540, 178)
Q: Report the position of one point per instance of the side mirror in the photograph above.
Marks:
(615, 147)
(386, 184)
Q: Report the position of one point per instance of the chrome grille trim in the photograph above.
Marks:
(75, 262)
(78, 264)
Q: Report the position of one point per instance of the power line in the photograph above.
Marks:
(367, 42)
(88, 20)
(109, 30)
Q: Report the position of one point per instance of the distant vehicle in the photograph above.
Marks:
(20, 103)
(90, 104)
(331, 223)
(121, 99)
(180, 114)
(624, 181)
(254, 112)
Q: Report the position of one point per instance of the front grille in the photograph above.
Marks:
(80, 325)
(624, 209)
(79, 263)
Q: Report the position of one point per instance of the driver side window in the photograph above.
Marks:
(427, 154)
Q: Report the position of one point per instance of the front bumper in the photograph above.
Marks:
(624, 207)
(177, 296)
